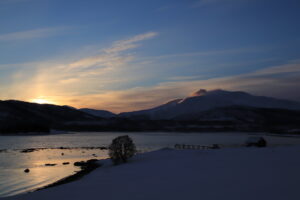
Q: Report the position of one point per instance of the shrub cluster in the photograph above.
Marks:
(121, 149)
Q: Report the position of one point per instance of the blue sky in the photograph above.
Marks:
(128, 55)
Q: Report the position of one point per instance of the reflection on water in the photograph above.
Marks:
(13, 180)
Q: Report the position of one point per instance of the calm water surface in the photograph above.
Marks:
(14, 181)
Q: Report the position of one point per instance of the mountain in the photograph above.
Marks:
(204, 100)
(216, 110)
(19, 116)
(98, 113)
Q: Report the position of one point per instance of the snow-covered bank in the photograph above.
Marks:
(241, 174)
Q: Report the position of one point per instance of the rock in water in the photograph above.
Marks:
(49, 164)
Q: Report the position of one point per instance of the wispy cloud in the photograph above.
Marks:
(288, 68)
(278, 81)
(89, 74)
(130, 43)
(92, 81)
(213, 53)
(272, 81)
(107, 60)
(111, 56)
(183, 78)
(32, 34)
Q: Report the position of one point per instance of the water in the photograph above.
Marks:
(14, 181)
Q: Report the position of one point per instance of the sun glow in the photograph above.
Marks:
(42, 101)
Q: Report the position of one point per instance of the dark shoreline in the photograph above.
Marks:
(29, 150)
(60, 148)
(86, 168)
(81, 167)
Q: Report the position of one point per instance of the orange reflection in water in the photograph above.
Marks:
(41, 175)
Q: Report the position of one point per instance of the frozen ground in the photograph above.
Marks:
(225, 174)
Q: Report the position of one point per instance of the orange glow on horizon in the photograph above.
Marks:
(42, 101)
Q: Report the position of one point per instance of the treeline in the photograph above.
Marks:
(24, 127)
(118, 124)
(127, 125)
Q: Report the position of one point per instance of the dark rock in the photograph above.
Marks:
(256, 141)
(28, 150)
(91, 165)
(86, 164)
(66, 163)
(26, 170)
(215, 146)
(48, 164)
(3, 150)
(92, 161)
(79, 163)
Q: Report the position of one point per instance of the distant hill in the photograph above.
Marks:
(19, 116)
(204, 100)
(98, 113)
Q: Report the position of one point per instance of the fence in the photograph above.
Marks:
(188, 146)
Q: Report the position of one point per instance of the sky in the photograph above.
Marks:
(129, 55)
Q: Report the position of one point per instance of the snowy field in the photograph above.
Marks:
(224, 174)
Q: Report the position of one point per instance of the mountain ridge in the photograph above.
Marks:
(216, 110)
(99, 113)
(20, 116)
(204, 100)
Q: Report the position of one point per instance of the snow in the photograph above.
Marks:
(233, 174)
(98, 113)
(200, 92)
(204, 100)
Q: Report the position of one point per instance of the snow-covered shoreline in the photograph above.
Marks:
(235, 173)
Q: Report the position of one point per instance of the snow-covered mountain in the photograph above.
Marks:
(98, 113)
(204, 100)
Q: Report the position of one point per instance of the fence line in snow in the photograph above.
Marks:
(189, 146)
